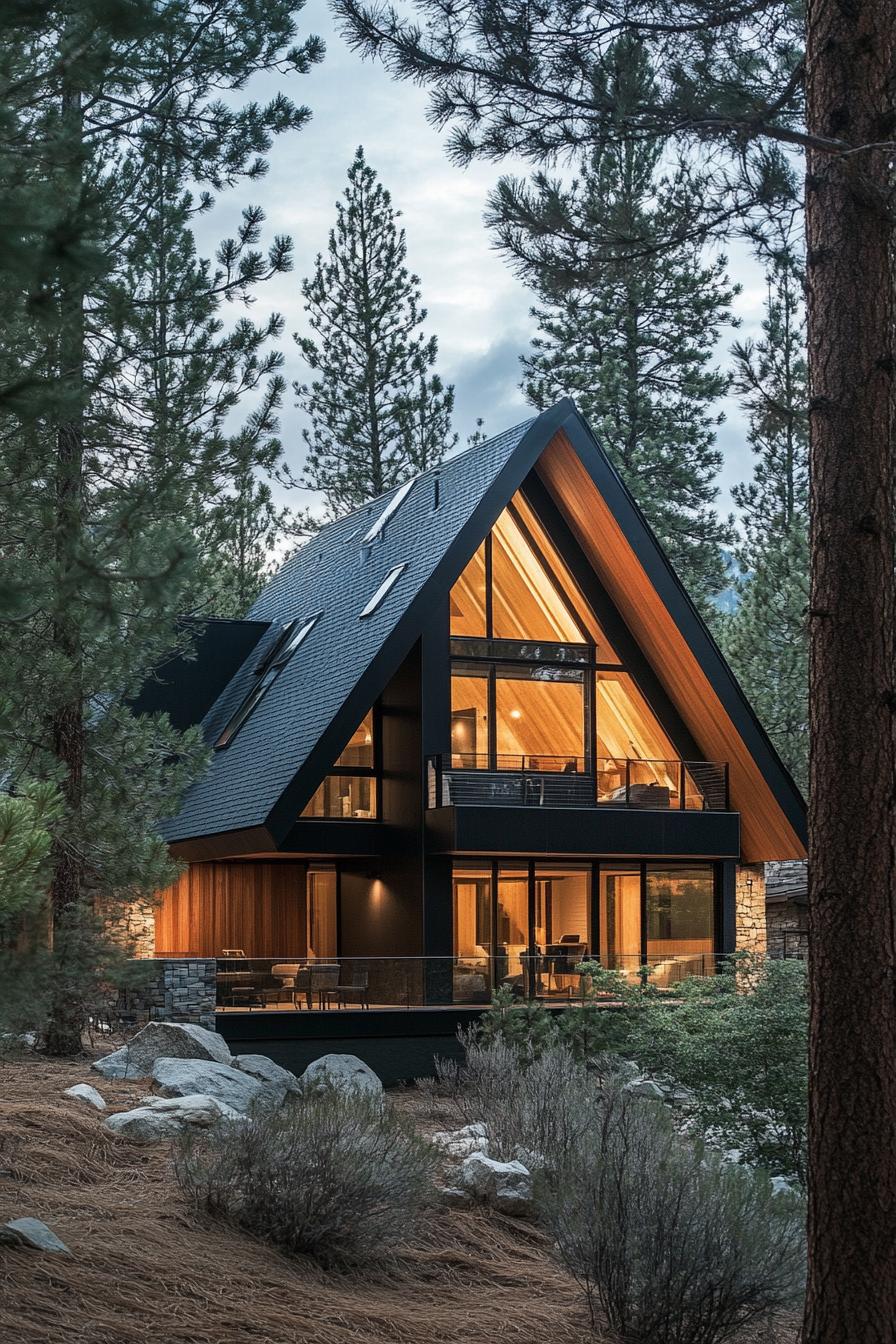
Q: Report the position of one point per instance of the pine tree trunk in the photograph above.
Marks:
(852, 1143)
(67, 727)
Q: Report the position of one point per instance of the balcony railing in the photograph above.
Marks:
(466, 779)
(304, 984)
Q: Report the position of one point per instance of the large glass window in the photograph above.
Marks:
(472, 899)
(680, 919)
(468, 599)
(350, 791)
(516, 587)
(512, 940)
(343, 797)
(526, 600)
(620, 917)
(636, 761)
(540, 718)
(470, 716)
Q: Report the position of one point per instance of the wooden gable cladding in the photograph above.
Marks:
(766, 831)
(258, 907)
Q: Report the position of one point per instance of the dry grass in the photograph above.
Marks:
(146, 1270)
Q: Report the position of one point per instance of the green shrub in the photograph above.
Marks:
(543, 1104)
(736, 1040)
(672, 1245)
(342, 1177)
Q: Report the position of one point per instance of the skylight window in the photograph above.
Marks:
(388, 512)
(384, 589)
(292, 634)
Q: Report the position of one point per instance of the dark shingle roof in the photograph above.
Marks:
(331, 575)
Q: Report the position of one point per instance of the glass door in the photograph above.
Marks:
(620, 917)
(321, 913)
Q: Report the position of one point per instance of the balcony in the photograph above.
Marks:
(461, 779)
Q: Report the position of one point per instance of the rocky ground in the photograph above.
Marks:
(144, 1269)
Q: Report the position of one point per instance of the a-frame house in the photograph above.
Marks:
(465, 737)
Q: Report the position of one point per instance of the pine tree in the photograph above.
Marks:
(106, 443)
(632, 341)
(766, 638)
(740, 89)
(378, 412)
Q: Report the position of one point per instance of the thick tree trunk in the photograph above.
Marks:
(852, 1145)
(67, 726)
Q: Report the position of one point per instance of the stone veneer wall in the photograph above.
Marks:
(133, 926)
(179, 990)
(749, 904)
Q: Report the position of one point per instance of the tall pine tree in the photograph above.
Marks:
(632, 339)
(766, 638)
(378, 412)
(106, 441)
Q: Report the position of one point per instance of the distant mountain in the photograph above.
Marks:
(727, 599)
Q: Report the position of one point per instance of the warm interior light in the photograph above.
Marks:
(515, 714)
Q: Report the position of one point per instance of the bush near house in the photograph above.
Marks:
(735, 1041)
(341, 1176)
(672, 1244)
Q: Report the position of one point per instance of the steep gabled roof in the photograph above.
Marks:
(259, 783)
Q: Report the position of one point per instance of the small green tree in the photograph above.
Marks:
(378, 412)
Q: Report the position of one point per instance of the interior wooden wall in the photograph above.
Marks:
(259, 907)
(766, 833)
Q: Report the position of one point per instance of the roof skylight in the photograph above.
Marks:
(292, 634)
(384, 589)
(388, 512)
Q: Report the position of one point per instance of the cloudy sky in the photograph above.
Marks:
(477, 308)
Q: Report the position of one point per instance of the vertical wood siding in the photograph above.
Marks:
(259, 907)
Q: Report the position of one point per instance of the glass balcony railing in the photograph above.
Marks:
(300, 984)
(466, 779)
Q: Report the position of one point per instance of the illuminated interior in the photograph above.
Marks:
(349, 792)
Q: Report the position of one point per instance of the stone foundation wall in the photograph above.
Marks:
(749, 903)
(134, 927)
(181, 990)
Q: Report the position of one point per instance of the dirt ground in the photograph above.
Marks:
(145, 1269)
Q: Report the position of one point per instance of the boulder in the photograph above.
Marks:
(84, 1092)
(645, 1087)
(164, 1117)
(462, 1142)
(454, 1197)
(266, 1071)
(186, 1077)
(344, 1072)
(505, 1185)
(32, 1232)
(162, 1040)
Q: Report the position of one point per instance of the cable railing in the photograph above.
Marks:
(536, 780)
(308, 984)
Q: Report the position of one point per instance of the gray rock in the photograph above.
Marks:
(345, 1072)
(645, 1087)
(461, 1142)
(164, 1117)
(266, 1071)
(186, 1077)
(32, 1232)
(454, 1197)
(84, 1092)
(162, 1040)
(505, 1185)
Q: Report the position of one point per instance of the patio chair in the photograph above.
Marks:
(302, 985)
(324, 983)
(356, 988)
(284, 972)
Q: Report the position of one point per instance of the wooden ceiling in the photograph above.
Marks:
(766, 832)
